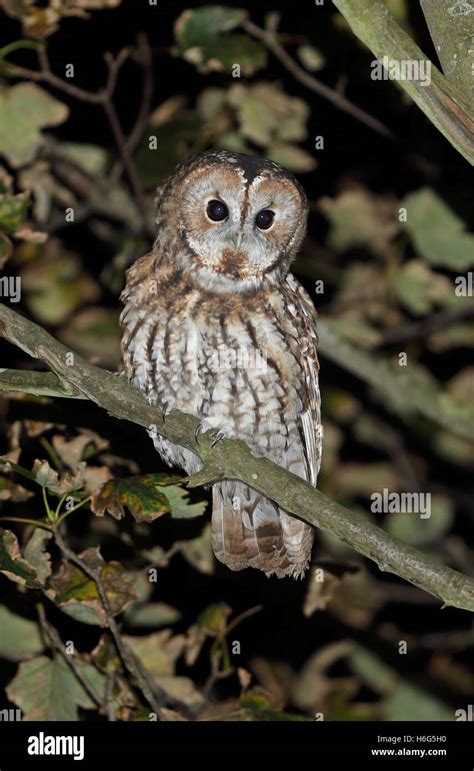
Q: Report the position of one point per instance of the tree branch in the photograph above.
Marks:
(441, 101)
(403, 390)
(452, 32)
(103, 98)
(129, 660)
(232, 459)
(269, 39)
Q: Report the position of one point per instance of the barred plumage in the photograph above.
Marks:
(215, 325)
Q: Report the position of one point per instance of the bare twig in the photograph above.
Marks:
(429, 326)
(53, 638)
(144, 56)
(130, 662)
(232, 459)
(269, 39)
(103, 98)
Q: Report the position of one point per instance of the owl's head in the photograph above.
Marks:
(240, 220)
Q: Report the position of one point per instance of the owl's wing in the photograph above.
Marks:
(310, 418)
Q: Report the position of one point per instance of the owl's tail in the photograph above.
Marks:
(248, 530)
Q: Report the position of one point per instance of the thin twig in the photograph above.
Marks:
(144, 56)
(55, 641)
(128, 658)
(103, 97)
(429, 326)
(269, 40)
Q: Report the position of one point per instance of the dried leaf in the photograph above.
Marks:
(49, 478)
(13, 565)
(76, 594)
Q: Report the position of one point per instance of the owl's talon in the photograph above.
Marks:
(164, 410)
(220, 435)
(198, 432)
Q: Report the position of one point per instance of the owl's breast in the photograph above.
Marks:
(232, 360)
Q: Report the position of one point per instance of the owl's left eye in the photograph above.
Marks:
(264, 219)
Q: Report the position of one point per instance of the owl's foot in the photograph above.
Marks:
(218, 433)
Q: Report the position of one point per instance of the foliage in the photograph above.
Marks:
(87, 509)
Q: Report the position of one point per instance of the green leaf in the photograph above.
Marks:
(158, 651)
(257, 707)
(438, 234)
(267, 114)
(20, 639)
(152, 614)
(213, 619)
(47, 689)
(76, 594)
(6, 249)
(360, 219)
(311, 58)
(202, 37)
(147, 497)
(175, 139)
(56, 284)
(178, 499)
(94, 333)
(37, 555)
(419, 288)
(422, 530)
(13, 209)
(291, 157)
(24, 110)
(13, 564)
(198, 552)
(402, 700)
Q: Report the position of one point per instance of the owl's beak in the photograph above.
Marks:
(236, 240)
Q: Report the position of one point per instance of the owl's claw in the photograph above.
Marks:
(198, 432)
(220, 435)
(164, 410)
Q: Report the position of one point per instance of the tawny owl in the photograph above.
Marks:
(215, 325)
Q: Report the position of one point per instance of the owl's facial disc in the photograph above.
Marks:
(239, 229)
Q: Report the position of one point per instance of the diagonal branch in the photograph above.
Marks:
(269, 39)
(448, 108)
(232, 459)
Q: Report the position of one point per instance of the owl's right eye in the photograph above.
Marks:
(217, 211)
